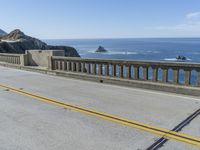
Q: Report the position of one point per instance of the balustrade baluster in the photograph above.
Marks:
(78, 65)
(82, 67)
(68, 66)
(121, 71)
(73, 66)
(94, 72)
(106, 69)
(136, 72)
(165, 75)
(88, 68)
(58, 63)
(128, 71)
(155, 74)
(63, 65)
(187, 76)
(176, 75)
(54, 65)
(145, 72)
(198, 77)
(113, 70)
(100, 69)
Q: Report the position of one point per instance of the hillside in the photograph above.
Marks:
(18, 42)
(2, 32)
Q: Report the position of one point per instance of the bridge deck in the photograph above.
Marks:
(30, 124)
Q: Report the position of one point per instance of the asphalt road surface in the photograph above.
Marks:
(29, 124)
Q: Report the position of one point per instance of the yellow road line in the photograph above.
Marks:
(149, 128)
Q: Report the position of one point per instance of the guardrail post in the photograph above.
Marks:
(54, 65)
(50, 63)
(24, 60)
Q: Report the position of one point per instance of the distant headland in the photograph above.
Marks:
(17, 42)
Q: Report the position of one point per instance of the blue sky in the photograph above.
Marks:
(59, 19)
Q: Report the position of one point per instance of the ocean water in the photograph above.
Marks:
(166, 49)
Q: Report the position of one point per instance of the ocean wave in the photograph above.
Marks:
(174, 59)
(116, 53)
(126, 52)
(120, 53)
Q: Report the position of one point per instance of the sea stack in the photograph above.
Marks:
(183, 58)
(101, 49)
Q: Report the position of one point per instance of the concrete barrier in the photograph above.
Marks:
(132, 70)
(41, 57)
(19, 59)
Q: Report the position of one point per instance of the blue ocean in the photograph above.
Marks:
(166, 49)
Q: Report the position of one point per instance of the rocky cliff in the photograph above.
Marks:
(2, 32)
(17, 42)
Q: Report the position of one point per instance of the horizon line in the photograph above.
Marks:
(100, 38)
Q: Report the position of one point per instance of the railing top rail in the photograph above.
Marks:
(131, 62)
(14, 55)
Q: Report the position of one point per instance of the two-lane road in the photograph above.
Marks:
(26, 123)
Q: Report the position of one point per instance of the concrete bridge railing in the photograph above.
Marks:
(177, 73)
(156, 71)
(18, 59)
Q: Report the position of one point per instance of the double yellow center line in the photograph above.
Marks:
(149, 128)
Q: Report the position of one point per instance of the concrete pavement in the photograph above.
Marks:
(31, 124)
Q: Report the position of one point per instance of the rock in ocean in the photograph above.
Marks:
(101, 49)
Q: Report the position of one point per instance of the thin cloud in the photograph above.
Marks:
(193, 15)
(188, 27)
(191, 24)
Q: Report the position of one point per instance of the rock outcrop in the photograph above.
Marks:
(17, 42)
(101, 49)
(182, 58)
(2, 33)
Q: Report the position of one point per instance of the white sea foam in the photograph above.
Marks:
(116, 53)
(136, 52)
(121, 53)
(170, 59)
(174, 59)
